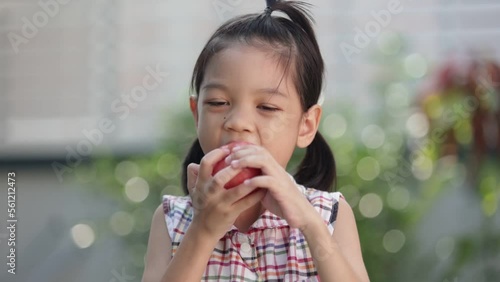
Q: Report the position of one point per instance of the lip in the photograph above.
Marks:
(233, 141)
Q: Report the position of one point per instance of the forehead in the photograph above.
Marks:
(247, 66)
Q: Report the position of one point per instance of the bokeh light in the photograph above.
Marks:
(433, 106)
(126, 170)
(444, 247)
(415, 65)
(370, 205)
(463, 132)
(422, 167)
(417, 125)
(334, 126)
(394, 240)
(83, 235)
(373, 136)
(168, 166)
(398, 198)
(121, 223)
(137, 189)
(368, 168)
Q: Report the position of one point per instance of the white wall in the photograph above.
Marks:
(65, 77)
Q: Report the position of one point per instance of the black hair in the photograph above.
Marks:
(293, 40)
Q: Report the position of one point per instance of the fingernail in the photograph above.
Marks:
(226, 150)
(246, 182)
(235, 163)
(228, 159)
(236, 148)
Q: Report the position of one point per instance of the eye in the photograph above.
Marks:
(217, 103)
(268, 108)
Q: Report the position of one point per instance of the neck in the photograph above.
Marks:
(248, 217)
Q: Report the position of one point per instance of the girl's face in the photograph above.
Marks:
(240, 100)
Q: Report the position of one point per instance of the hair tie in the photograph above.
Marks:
(269, 4)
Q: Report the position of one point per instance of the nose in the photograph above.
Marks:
(239, 119)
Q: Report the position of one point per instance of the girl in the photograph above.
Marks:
(257, 80)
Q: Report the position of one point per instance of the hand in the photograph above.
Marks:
(216, 208)
(282, 197)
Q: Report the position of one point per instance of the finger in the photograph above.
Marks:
(242, 150)
(235, 194)
(222, 177)
(192, 175)
(262, 181)
(251, 155)
(260, 161)
(239, 152)
(243, 146)
(209, 160)
(273, 185)
(250, 200)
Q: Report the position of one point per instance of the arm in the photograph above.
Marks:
(215, 210)
(337, 257)
(191, 257)
(159, 248)
(190, 260)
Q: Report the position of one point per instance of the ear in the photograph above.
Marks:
(193, 105)
(309, 126)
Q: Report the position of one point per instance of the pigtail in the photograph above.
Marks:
(317, 169)
(194, 155)
(293, 40)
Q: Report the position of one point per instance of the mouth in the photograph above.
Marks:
(233, 143)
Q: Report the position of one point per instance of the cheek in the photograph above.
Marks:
(276, 128)
(281, 152)
(208, 134)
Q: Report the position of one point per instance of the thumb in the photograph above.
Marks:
(192, 175)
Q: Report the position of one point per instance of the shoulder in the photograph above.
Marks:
(314, 195)
(347, 237)
(326, 203)
(323, 199)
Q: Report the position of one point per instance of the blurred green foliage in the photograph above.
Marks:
(383, 176)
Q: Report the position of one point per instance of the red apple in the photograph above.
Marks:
(246, 173)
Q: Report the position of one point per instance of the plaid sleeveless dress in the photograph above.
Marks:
(269, 251)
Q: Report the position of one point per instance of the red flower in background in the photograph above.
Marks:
(462, 103)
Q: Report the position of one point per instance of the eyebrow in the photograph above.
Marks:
(219, 86)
